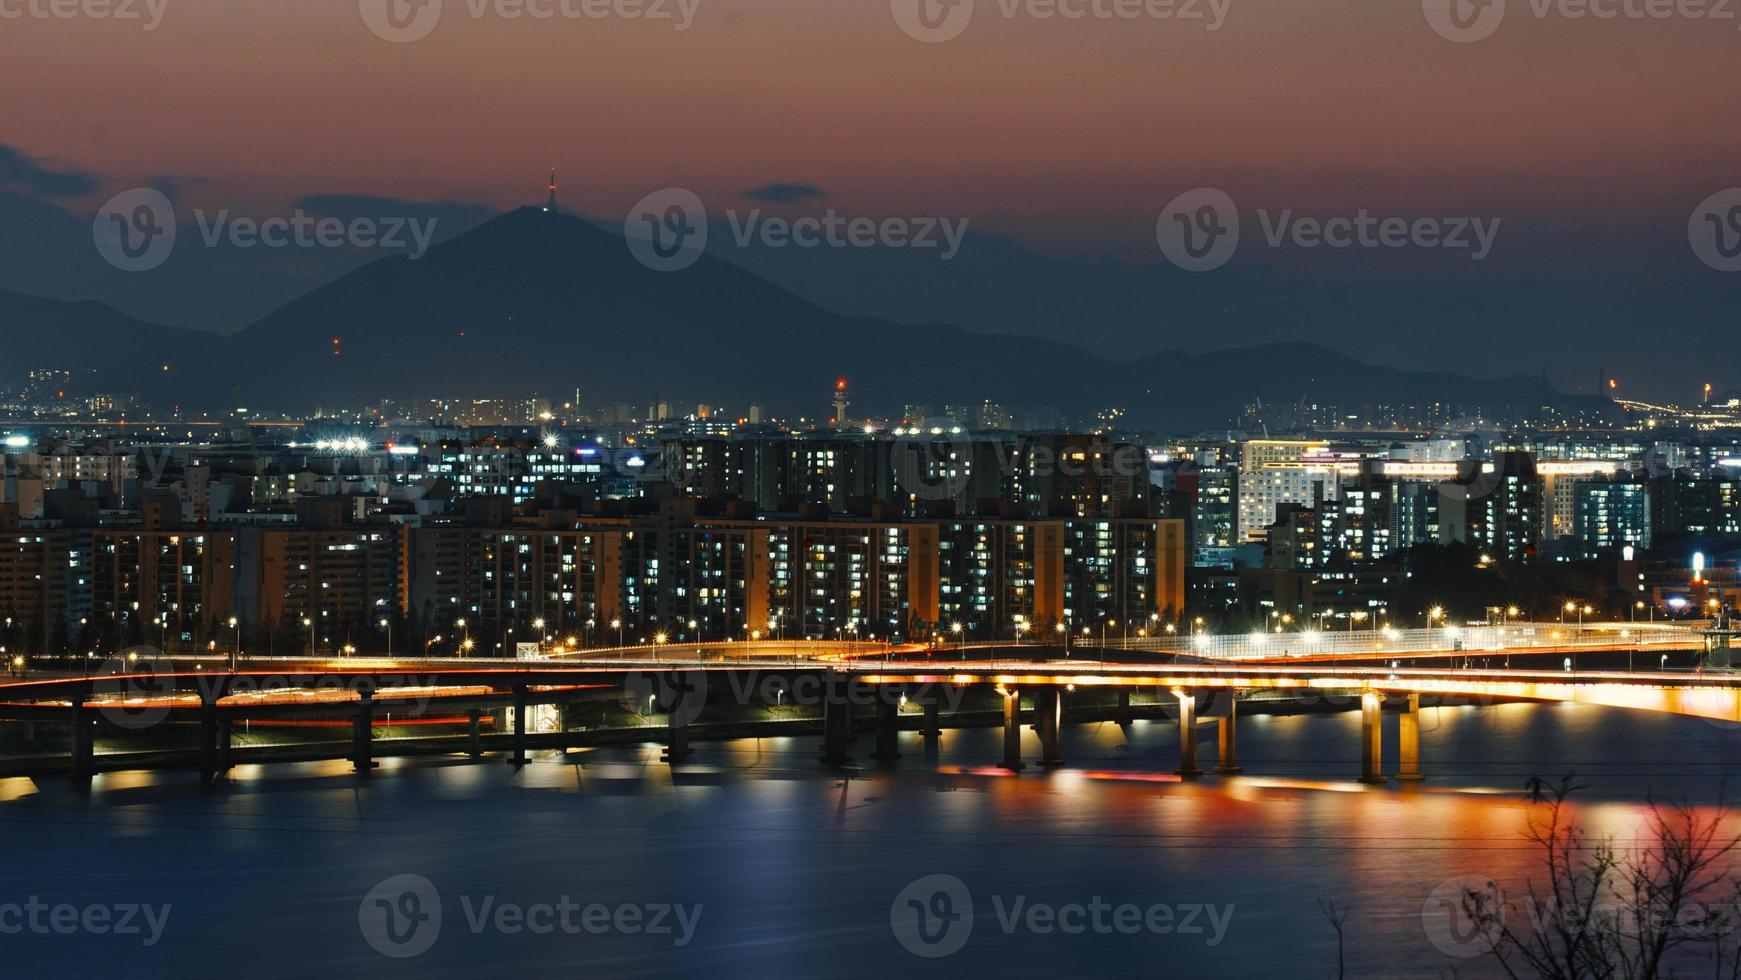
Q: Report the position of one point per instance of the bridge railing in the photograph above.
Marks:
(1442, 639)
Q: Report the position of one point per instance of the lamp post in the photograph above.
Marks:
(387, 624)
(960, 639)
(313, 651)
(236, 643)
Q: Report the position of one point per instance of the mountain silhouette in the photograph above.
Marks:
(540, 304)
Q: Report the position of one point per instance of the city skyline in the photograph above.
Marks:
(746, 488)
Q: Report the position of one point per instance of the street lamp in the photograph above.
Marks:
(617, 624)
(538, 624)
(387, 624)
(236, 647)
(313, 651)
(961, 641)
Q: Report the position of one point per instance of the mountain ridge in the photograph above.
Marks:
(536, 303)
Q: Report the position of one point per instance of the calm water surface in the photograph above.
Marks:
(796, 869)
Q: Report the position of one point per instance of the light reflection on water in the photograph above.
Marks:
(797, 867)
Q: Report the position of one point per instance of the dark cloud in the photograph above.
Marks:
(786, 193)
(174, 187)
(20, 171)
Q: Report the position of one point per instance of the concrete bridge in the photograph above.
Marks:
(1032, 685)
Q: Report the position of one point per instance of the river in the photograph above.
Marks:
(756, 861)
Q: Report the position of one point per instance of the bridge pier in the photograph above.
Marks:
(363, 733)
(888, 724)
(836, 721)
(1187, 733)
(226, 733)
(1371, 738)
(1012, 729)
(676, 737)
(474, 733)
(1409, 740)
(1123, 715)
(1227, 736)
(82, 761)
(933, 730)
(1049, 705)
(208, 739)
(517, 758)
